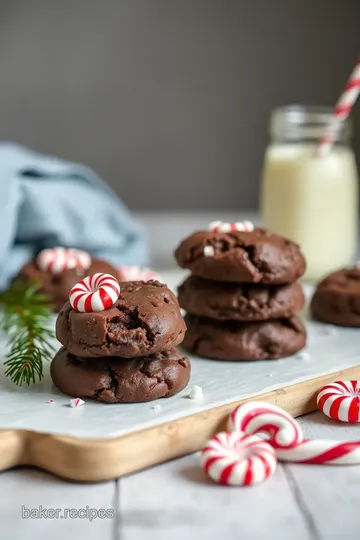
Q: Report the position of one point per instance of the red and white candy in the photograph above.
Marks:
(94, 293)
(136, 273)
(76, 402)
(58, 259)
(322, 451)
(340, 400)
(223, 227)
(254, 417)
(238, 459)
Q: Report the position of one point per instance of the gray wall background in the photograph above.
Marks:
(168, 99)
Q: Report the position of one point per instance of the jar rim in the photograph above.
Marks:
(292, 120)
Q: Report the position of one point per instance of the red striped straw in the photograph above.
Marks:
(341, 111)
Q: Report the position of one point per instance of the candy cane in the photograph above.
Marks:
(58, 259)
(95, 293)
(259, 417)
(223, 227)
(340, 400)
(238, 459)
(320, 451)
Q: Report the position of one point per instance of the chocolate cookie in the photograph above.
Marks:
(242, 302)
(250, 257)
(115, 380)
(337, 298)
(233, 340)
(58, 286)
(146, 319)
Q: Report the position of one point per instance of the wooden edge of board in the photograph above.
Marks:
(97, 460)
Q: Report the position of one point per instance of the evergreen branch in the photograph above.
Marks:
(25, 319)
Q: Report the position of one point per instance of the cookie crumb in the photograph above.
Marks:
(156, 407)
(196, 392)
(304, 355)
(76, 402)
(209, 251)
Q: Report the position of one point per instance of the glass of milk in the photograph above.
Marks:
(312, 200)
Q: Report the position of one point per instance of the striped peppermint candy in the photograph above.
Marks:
(94, 293)
(340, 400)
(58, 259)
(322, 451)
(223, 227)
(136, 273)
(238, 459)
(254, 417)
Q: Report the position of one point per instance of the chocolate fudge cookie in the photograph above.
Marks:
(233, 340)
(146, 319)
(114, 380)
(58, 286)
(252, 257)
(337, 298)
(242, 302)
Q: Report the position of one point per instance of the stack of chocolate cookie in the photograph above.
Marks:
(242, 297)
(125, 353)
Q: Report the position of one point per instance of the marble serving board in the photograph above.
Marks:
(100, 441)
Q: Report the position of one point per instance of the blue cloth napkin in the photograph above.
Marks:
(46, 202)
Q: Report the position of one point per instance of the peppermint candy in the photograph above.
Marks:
(76, 402)
(254, 417)
(136, 273)
(94, 293)
(340, 400)
(58, 259)
(238, 459)
(238, 226)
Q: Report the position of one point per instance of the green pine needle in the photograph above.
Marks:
(25, 319)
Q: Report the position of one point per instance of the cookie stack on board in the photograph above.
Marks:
(242, 297)
(124, 350)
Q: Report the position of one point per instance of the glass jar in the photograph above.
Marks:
(310, 199)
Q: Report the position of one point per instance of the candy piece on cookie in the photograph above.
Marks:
(136, 273)
(145, 319)
(58, 259)
(94, 293)
(224, 227)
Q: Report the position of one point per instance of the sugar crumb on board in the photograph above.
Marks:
(196, 392)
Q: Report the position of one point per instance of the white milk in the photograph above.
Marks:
(313, 201)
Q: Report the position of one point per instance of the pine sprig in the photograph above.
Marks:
(25, 319)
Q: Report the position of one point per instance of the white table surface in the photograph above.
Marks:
(175, 500)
